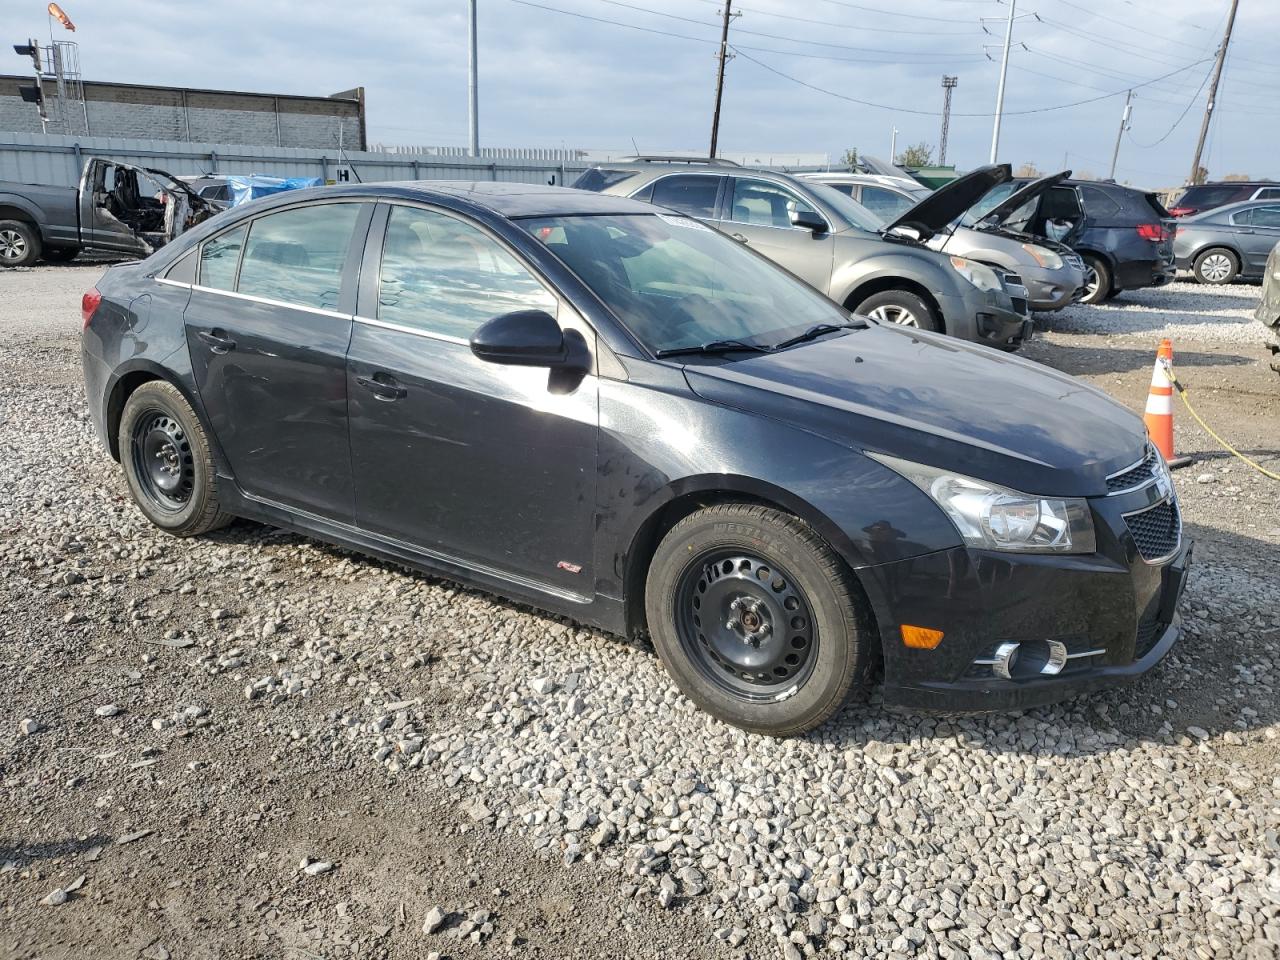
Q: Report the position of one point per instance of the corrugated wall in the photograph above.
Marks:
(58, 159)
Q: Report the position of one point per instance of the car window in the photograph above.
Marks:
(855, 213)
(677, 283)
(885, 203)
(219, 257)
(598, 179)
(444, 276)
(990, 200)
(1241, 218)
(296, 256)
(1061, 202)
(1268, 193)
(760, 203)
(1266, 216)
(1202, 197)
(183, 270)
(694, 195)
(1098, 204)
(845, 188)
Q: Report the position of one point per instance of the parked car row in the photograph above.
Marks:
(621, 413)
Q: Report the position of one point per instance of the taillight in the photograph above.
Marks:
(1151, 231)
(89, 305)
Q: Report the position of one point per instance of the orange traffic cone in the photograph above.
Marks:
(1159, 412)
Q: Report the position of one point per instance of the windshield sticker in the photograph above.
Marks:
(683, 222)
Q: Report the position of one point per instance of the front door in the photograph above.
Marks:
(268, 326)
(1259, 237)
(759, 214)
(475, 462)
(117, 208)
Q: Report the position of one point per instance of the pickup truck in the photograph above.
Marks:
(118, 210)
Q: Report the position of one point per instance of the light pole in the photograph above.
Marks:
(893, 145)
(474, 90)
(1004, 72)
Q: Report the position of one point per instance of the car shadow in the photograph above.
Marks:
(29, 853)
(1112, 359)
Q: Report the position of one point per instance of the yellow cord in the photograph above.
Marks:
(1182, 392)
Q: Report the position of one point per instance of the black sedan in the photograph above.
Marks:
(1228, 243)
(585, 403)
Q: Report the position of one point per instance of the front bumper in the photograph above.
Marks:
(1113, 613)
(991, 317)
(1050, 290)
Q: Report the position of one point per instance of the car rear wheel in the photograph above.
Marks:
(1216, 266)
(19, 244)
(1097, 280)
(901, 307)
(756, 619)
(167, 462)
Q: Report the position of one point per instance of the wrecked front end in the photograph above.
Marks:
(1268, 310)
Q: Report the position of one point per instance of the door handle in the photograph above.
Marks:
(217, 340)
(383, 387)
(739, 237)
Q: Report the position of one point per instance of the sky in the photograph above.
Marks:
(810, 76)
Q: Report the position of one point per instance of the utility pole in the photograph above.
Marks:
(893, 145)
(1213, 94)
(948, 84)
(722, 56)
(474, 89)
(1004, 72)
(1124, 125)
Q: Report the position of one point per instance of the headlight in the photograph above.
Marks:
(1043, 256)
(980, 275)
(992, 517)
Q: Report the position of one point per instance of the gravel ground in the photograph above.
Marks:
(251, 744)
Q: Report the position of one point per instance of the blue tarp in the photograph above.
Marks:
(244, 189)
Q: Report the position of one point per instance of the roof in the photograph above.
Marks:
(873, 179)
(506, 199)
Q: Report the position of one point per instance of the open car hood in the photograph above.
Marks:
(936, 211)
(1005, 209)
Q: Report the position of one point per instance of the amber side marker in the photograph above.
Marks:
(921, 638)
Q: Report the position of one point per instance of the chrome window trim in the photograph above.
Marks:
(413, 331)
(1177, 544)
(273, 303)
(172, 283)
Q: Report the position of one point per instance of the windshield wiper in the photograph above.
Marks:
(819, 330)
(712, 348)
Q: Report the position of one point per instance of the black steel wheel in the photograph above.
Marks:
(167, 461)
(746, 623)
(757, 619)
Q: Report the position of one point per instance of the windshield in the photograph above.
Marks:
(849, 208)
(677, 283)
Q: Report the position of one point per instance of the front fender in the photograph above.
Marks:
(908, 270)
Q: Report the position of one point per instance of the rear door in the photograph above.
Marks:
(758, 214)
(268, 326)
(489, 465)
(1259, 236)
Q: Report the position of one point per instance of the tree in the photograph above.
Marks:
(850, 159)
(1028, 169)
(1084, 175)
(1236, 176)
(1202, 174)
(917, 155)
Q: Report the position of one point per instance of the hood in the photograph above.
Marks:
(1005, 209)
(938, 401)
(947, 203)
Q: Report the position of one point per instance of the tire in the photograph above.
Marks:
(61, 254)
(1114, 292)
(167, 463)
(1216, 266)
(752, 567)
(1097, 279)
(19, 244)
(901, 307)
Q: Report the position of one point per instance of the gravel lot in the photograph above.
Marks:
(251, 744)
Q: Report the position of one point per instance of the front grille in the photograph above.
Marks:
(1019, 305)
(1012, 279)
(1157, 531)
(1138, 475)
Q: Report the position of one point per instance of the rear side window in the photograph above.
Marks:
(296, 256)
(694, 195)
(444, 276)
(1266, 216)
(219, 258)
(598, 179)
(1242, 218)
(184, 270)
(845, 188)
(1097, 204)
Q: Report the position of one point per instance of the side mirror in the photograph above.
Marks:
(908, 233)
(806, 219)
(529, 338)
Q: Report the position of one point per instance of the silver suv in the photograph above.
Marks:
(839, 247)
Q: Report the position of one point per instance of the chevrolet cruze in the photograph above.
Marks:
(588, 404)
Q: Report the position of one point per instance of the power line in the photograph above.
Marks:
(934, 113)
(896, 13)
(861, 28)
(1182, 116)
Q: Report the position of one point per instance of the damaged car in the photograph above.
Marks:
(117, 210)
(1268, 310)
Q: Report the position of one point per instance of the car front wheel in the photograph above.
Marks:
(757, 619)
(901, 307)
(167, 462)
(1216, 267)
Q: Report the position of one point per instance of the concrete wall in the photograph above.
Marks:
(196, 116)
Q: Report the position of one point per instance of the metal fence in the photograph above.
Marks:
(58, 159)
